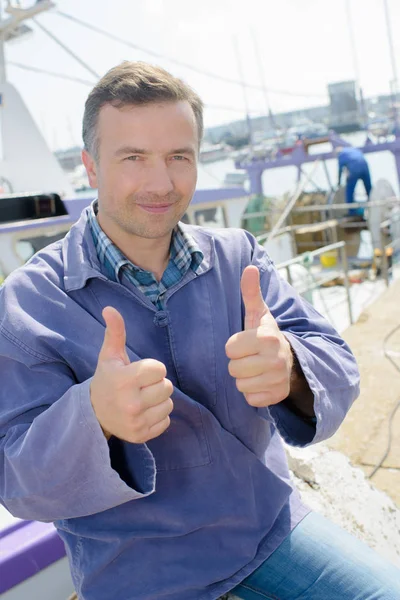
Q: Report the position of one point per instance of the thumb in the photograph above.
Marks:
(254, 305)
(113, 347)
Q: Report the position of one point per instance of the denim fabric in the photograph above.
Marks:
(321, 561)
(351, 186)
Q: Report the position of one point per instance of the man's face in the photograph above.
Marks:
(146, 170)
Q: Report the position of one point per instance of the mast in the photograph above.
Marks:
(11, 28)
(11, 25)
(356, 68)
(246, 103)
(3, 76)
(26, 162)
(391, 49)
(262, 78)
(394, 87)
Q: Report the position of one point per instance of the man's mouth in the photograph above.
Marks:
(155, 208)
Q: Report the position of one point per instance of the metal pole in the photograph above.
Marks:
(391, 47)
(353, 45)
(394, 84)
(360, 94)
(261, 72)
(291, 204)
(316, 186)
(246, 103)
(384, 262)
(289, 275)
(328, 178)
(3, 73)
(3, 79)
(343, 259)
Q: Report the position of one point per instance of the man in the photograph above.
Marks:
(149, 369)
(353, 160)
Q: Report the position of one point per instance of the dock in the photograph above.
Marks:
(364, 435)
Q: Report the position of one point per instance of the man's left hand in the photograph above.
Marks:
(261, 358)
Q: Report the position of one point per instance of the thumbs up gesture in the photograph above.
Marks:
(131, 400)
(260, 356)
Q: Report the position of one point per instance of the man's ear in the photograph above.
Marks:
(91, 168)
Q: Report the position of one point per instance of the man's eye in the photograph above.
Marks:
(179, 157)
(134, 157)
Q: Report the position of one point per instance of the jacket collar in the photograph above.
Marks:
(80, 257)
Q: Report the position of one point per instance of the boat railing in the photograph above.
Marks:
(331, 223)
(314, 282)
(303, 229)
(324, 207)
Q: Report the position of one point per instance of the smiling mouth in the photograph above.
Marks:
(155, 208)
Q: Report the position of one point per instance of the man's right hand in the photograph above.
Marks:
(131, 400)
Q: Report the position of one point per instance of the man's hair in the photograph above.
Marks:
(135, 83)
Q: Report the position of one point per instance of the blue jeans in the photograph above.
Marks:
(321, 561)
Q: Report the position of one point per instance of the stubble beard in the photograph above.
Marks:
(133, 220)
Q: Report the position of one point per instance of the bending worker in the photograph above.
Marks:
(353, 160)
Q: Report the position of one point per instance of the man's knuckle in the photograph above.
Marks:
(241, 385)
(270, 339)
(279, 364)
(169, 387)
(229, 348)
(134, 409)
(232, 368)
(157, 368)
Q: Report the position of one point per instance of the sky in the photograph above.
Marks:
(293, 47)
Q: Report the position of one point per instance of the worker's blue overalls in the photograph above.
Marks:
(353, 160)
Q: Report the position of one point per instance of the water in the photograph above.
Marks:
(278, 181)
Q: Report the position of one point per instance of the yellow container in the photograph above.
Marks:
(329, 259)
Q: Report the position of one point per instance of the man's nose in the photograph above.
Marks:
(158, 180)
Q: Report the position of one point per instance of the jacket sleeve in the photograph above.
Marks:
(325, 359)
(54, 459)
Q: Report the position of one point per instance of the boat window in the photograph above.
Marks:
(211, 217)
(25, 207)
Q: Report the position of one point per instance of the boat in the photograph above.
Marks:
(380, 127)
(213, 152)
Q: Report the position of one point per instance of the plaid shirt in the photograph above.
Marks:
(184, 255)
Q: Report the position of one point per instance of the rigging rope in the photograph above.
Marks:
(184, 64)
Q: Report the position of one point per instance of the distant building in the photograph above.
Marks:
(344, 108)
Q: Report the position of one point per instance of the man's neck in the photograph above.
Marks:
(148, 254)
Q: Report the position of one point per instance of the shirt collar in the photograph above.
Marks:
(184, 251)
(81, 262)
